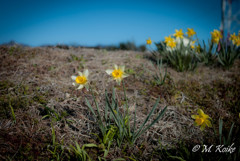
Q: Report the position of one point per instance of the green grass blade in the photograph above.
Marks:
(230, 134)
(159, 116)
(134, 124)
(90, 107)
(98, 117)
(78, 147)
(220, 130)
(153, 109)
(89, 146)
(119, 159)
(12, 111)
(53, 135)
(177, 158)
(96, 104)
(112, 111)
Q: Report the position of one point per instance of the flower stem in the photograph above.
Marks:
(127, 115)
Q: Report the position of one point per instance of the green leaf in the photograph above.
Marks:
(119, 159)
(90, 107)
(230, 134)
(220, 130)
(12, 111)
(159, 116)
(149, 115)
(177, 158)
(89, 146)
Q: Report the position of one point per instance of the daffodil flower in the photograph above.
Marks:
(190, 32)
(178, 33)
(233, 38)
(149, 41)
(192, 44)
(201, 120)
(168, 39)
(185, 41)
(117, 73)
(237, 41)
(171, 44)
(81, 79)
(216, 36)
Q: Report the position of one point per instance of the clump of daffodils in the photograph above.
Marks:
(227, 52)
(179, 50)
(216, 36)
(81, 80)
(235, 39)
(202, 120)
(170, 42)
(117, 73)
(174, 43)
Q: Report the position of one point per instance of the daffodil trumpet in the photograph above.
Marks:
(202, 120)
(81, 80)
(117, 73)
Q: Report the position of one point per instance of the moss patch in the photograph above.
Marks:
(18, 96)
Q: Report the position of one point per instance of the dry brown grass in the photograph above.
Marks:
(48, 70)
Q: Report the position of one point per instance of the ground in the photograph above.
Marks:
(34, 81)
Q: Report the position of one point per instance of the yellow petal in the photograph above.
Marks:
(195, 116)
(205, 116)
(202, 127)
(200, 112)
(208, 123)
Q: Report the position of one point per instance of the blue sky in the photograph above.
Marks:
(102, 22)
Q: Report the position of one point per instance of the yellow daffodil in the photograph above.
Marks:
(190, 32)
(149, 41)
(237, 41)
(168, 39)
(192, 44)
(172, 43)
(178, 33)
(117, 73)
(233, 38)
(202, 120)
(216, 36)
(81, 79)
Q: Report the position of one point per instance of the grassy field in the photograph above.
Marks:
(43, 116)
